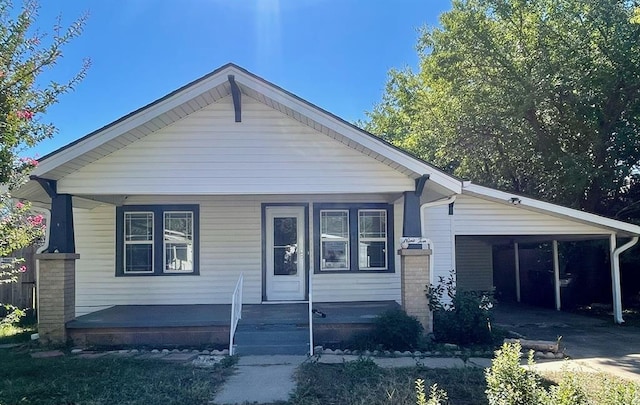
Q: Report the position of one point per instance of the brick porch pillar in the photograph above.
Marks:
(56, 295)
(415, 279)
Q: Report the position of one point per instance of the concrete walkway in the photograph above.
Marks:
(268, 379)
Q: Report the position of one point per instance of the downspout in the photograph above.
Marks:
(615, 275)
(447, 201)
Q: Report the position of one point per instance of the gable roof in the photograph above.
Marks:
(211, 88)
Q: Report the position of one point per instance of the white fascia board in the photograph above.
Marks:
(549, 208)
(449, 182)
(140, 118)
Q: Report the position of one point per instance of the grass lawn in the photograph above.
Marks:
(108, 380)
(364, 383)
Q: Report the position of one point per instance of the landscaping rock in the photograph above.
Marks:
(76, 351)
(451, 346)
(155, 351)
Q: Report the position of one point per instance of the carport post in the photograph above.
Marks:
(615, 274)
(517, 262)
(556, 274)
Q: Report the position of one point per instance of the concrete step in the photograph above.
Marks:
(272, 339)
(250, 350)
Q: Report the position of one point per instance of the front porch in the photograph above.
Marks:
(208, 325)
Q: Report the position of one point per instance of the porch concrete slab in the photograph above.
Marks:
(260, 379)
(157, 316)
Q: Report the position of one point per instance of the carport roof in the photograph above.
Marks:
(609, 225)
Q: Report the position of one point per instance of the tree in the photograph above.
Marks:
(539, 97)
(25, 54)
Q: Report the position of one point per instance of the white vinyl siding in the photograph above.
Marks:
(438, 226)
(474, 264)
(208, 153)
(475, 216)
(230, 244)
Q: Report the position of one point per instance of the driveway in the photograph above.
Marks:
(592, 344)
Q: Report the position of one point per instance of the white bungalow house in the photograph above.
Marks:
(232, 175)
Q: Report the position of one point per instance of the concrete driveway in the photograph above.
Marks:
(592, 344)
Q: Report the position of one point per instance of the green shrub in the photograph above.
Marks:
(613, 391)
(510, 384)
(392, 330)
(464, 317)
(568, 392)
(395, 330)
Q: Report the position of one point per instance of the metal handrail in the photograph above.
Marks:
(311, 313)
(236, 311)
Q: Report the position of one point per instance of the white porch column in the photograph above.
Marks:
(516, 258)
(556, 274)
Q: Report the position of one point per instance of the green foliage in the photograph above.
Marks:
(392, 330)
(460, 317)
(25, 53)
(612, 391)
(537, 97)
(568, 392)
(395, 330)
(436, 395)
(510, 384)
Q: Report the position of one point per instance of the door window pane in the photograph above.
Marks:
(285, 260)
(285, 246)
(285, 231)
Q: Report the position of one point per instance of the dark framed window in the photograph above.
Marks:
(157, 240)
(353, 237)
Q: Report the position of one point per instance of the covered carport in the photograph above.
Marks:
(467, 228)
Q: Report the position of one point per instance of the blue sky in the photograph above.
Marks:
(333, 53)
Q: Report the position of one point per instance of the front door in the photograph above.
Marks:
(285, 253)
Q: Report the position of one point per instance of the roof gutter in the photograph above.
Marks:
(615, 275)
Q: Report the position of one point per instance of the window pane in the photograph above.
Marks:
(138, 226)
(178, 241)
(285, 231)
(334, 224)
(335, 255)
(372, 224)
(138, 257)
(285, 261)
(373, 255)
